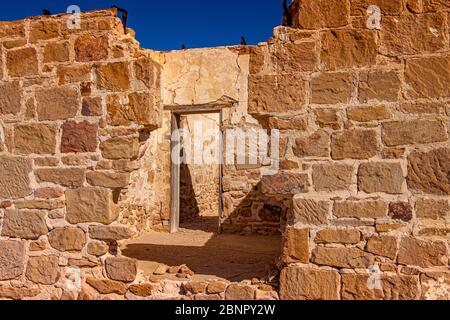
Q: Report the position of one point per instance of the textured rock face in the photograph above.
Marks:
(313, 212)
(429, 171)
(381, 177)
(57, 104)
(22, 62)
(296, 245)
(121, 269)
(330, 88)
(332, 177)
(298, 283)
(10, 97)
(67, 239)
(14, 177)
(354, 144)
(36, 138)
(24, 224)
(421, 253)
(43, 270)
(79, 137)
(323, 14)
(342, 257)
(90, 205)
(91, 48)
(11, 259)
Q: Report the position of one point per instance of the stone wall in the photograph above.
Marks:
(76, 109)
(362, 196)
(364, 114)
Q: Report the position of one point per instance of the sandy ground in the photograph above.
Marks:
(208, 254)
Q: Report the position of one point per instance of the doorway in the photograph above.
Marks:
(196, 170)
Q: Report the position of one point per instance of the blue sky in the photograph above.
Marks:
(167, 24)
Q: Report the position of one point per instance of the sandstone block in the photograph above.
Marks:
(35, 138)
(239, 292)
(67, 239)
(90, 205)
(56, 52)
(418, 107)
(385, 246)
(106, 286)
(365, 114)
(285, 183)
(328, 118)
(342, 257)
(11, 259)
(44, 30)
(348, 49)
(57, 103)
(428, 77)
(97, 248)
(315, 145)
(388, 8)
(360, 209)
(331, 177)
(423, 33)
(354, 144)
(110, 233)
(79, 137)
(401, 211)
(49, 193)
(296, 246)
(143, 290)
(380, 177)
(13, 293)
(332, 88)
(68, 177)
(12, 29)
(43, 270)
(295, 57)
(276, 93)
(379, 85)
(216, 287)
(14, 177)
(121, 269)
(432, 209)
(108, 179)
(413, 132)
(425, 254)
(311, 211)
(113, 76)
(345, 236)
(318, 14)
(289, 123)
(91, 48)
(142, 108)
(24, 224)
(92, 107)
(299, 283)
(73, 74)
(429, 171)
(394, 287)
(10, 98)
(120, 148)
(22, 62)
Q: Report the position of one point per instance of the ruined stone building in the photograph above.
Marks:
(359, 91)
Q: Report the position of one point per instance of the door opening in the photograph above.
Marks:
(196, 171)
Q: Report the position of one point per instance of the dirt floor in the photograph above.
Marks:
(209, 254)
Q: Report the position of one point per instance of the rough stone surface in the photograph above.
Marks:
(315, 145)
(34, 138)
(57, 103)
(14, 177)
(91, 48)
(113, 76)
(106, 286)
(429, 171)
(342, 257)
(276, 93)
(90, 205)
(432, 209)
(296, 246)
(108, 179)
(413, 132)
(121, 269)
(97, 248)
(285, 183)
(312, 212)
(239, 292)
(67, 239)
(385, 246)
(331, 177)
(318, 14)
(43, 270)
(24, 224)
(120, 148)
(360, 209)
(109, 233)
(10, 98)
(68, 177)
(22, 62)
(11, 259)
(345, 236)
(394, 287)
(79, 137)
(365, 114)
(331, 88)
(348, 49)
(380, 86)
(381, 177)
(401, 211)
(425, 254)
(298, 283)
(354, 144)
(428, 77)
